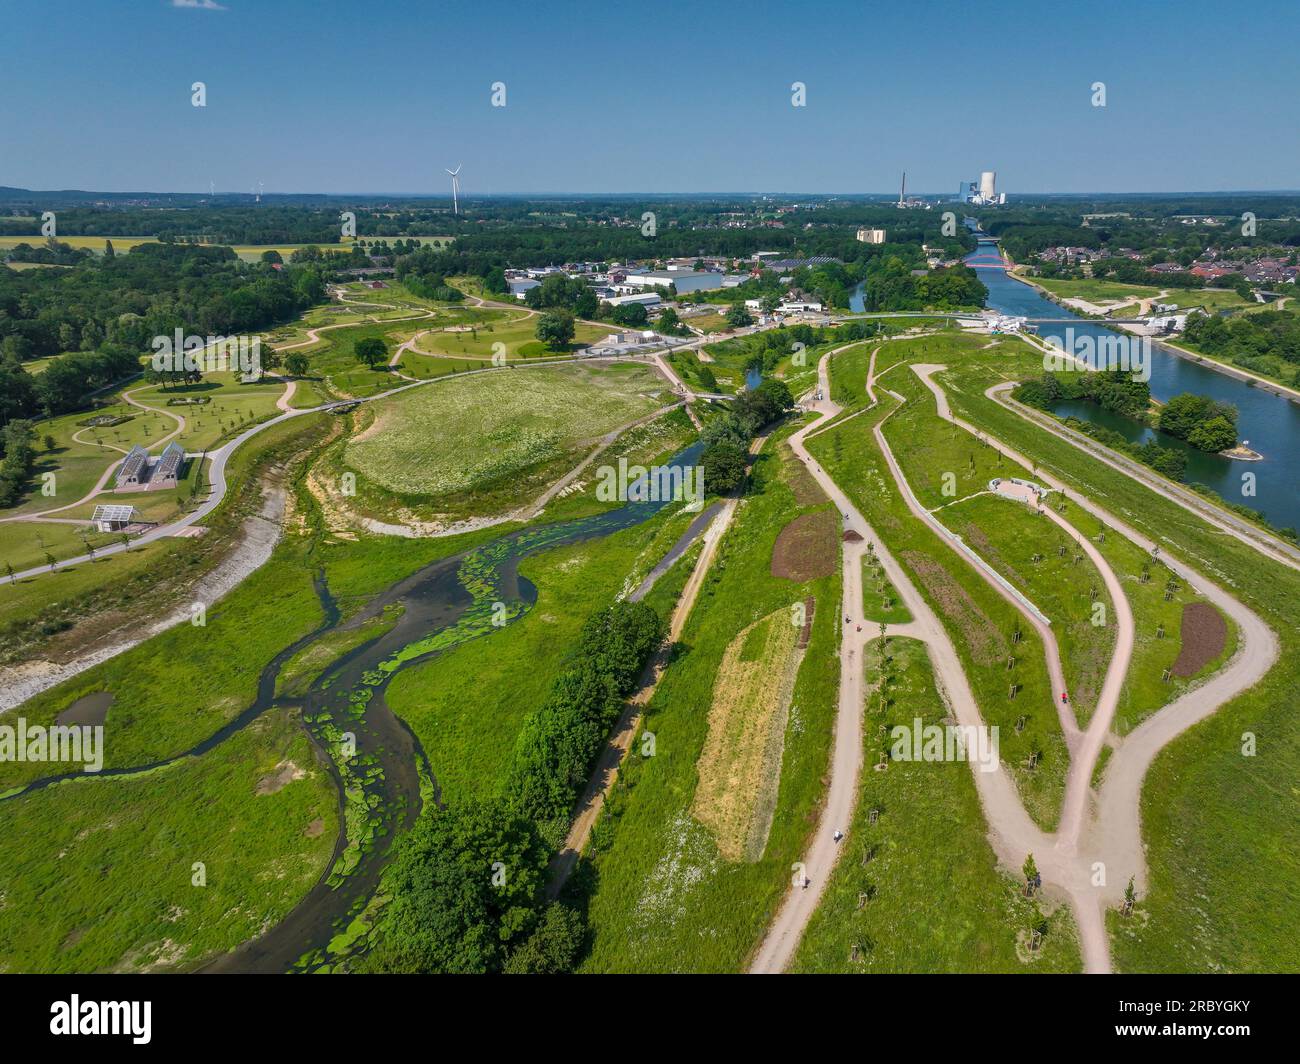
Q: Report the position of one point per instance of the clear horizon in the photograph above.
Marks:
(98, 98)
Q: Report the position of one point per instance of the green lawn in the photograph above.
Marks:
(1096, 291)
(516, 334)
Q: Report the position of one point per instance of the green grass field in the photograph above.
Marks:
(1212, 819)
(516, 334)
(1097, 291)
(980, 622)
(467, 705)
(495, 436)
(100, 874)
(920, 890)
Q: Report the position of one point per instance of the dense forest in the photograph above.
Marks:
(1252, 340)
(893, 285)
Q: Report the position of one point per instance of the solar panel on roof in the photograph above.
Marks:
(133, 462)
(170, 461)
(113, 513)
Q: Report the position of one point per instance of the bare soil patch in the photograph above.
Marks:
(285, 773)
(807, 492)
(807, 548)
(1204, 634)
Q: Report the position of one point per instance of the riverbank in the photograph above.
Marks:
(1254, 380)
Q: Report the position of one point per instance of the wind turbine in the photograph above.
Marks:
(455, 189)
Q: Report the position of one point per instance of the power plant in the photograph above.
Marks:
(983, 193)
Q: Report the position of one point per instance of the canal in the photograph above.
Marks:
(1270, 422)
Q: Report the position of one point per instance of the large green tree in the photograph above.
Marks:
(556, 329)
(466, 886)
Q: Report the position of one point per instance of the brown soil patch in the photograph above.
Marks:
(285, 773)
(852, 536)
(807, 547)
(982, 636)
(740, 766)
(1204, 635)
(807, 492)
(315, 828)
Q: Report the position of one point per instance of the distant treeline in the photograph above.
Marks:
(105, 312)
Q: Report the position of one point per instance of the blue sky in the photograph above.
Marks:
(657, 96)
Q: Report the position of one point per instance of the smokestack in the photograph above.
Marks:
(902, 192)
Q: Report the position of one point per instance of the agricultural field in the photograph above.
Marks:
(920, 890)
(740, 766)
(491, 439)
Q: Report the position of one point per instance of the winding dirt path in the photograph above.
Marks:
(1090, 858)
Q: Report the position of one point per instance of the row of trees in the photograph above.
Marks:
(19, 457)
(726, 438)
(467, 880)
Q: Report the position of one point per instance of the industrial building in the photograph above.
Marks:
(982, 193)
(871, 236)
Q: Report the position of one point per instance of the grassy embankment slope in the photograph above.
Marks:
(1220, 827)
(919, 889)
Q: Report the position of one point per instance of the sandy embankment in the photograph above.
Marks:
(257, 539)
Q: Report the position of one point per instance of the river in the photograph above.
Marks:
(386, 777)
(1270, 422)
